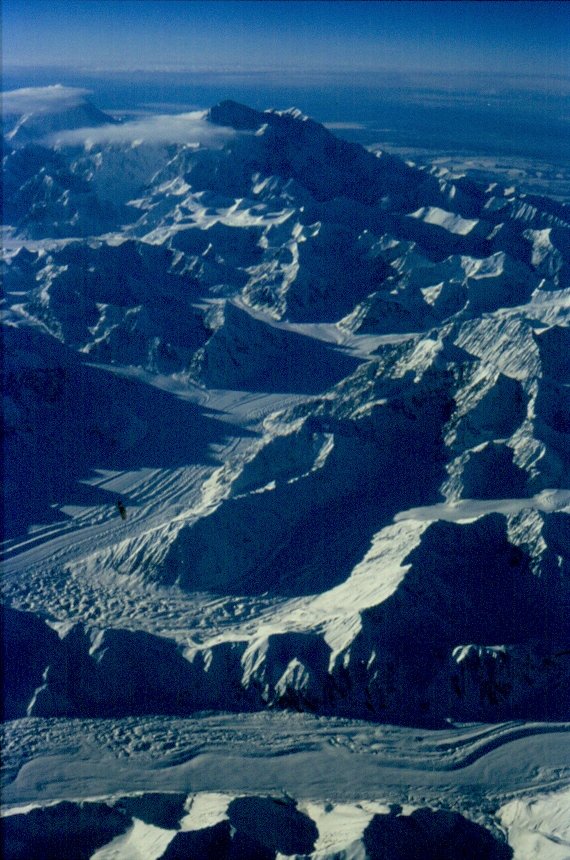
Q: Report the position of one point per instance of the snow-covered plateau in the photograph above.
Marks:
(332, 390)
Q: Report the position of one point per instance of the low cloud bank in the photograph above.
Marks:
(190, 127)
(37, 102)
(46, 100)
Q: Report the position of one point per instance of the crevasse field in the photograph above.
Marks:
(330, 385)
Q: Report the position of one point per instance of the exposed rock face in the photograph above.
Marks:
(256, 828)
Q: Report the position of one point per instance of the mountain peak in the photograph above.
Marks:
(243, 118)
(33, 113)
(236, 115)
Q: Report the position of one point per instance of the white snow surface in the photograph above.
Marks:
(448, 220)
(332, 392)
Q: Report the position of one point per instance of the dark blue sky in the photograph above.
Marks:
(295, 36)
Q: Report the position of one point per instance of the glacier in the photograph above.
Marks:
(331, 388)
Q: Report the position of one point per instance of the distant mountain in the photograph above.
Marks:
(29, 115)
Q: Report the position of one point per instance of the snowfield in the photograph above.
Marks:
(331, 389)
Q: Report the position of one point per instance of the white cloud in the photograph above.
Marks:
(46, 100)
(190, 127)
(345, 125)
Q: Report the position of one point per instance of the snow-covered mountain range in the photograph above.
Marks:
(332, 390)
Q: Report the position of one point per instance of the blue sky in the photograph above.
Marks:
(294, 36)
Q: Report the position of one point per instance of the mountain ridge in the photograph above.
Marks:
(330, 389)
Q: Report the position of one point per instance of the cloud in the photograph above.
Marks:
(45, 100)
(190, 127)
(357, 126)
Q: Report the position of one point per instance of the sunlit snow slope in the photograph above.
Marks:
(332, 391)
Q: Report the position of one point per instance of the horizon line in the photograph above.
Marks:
(283, 72)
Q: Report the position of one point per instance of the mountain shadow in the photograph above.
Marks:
(250, 354)
(428, 834)
(64, 420)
